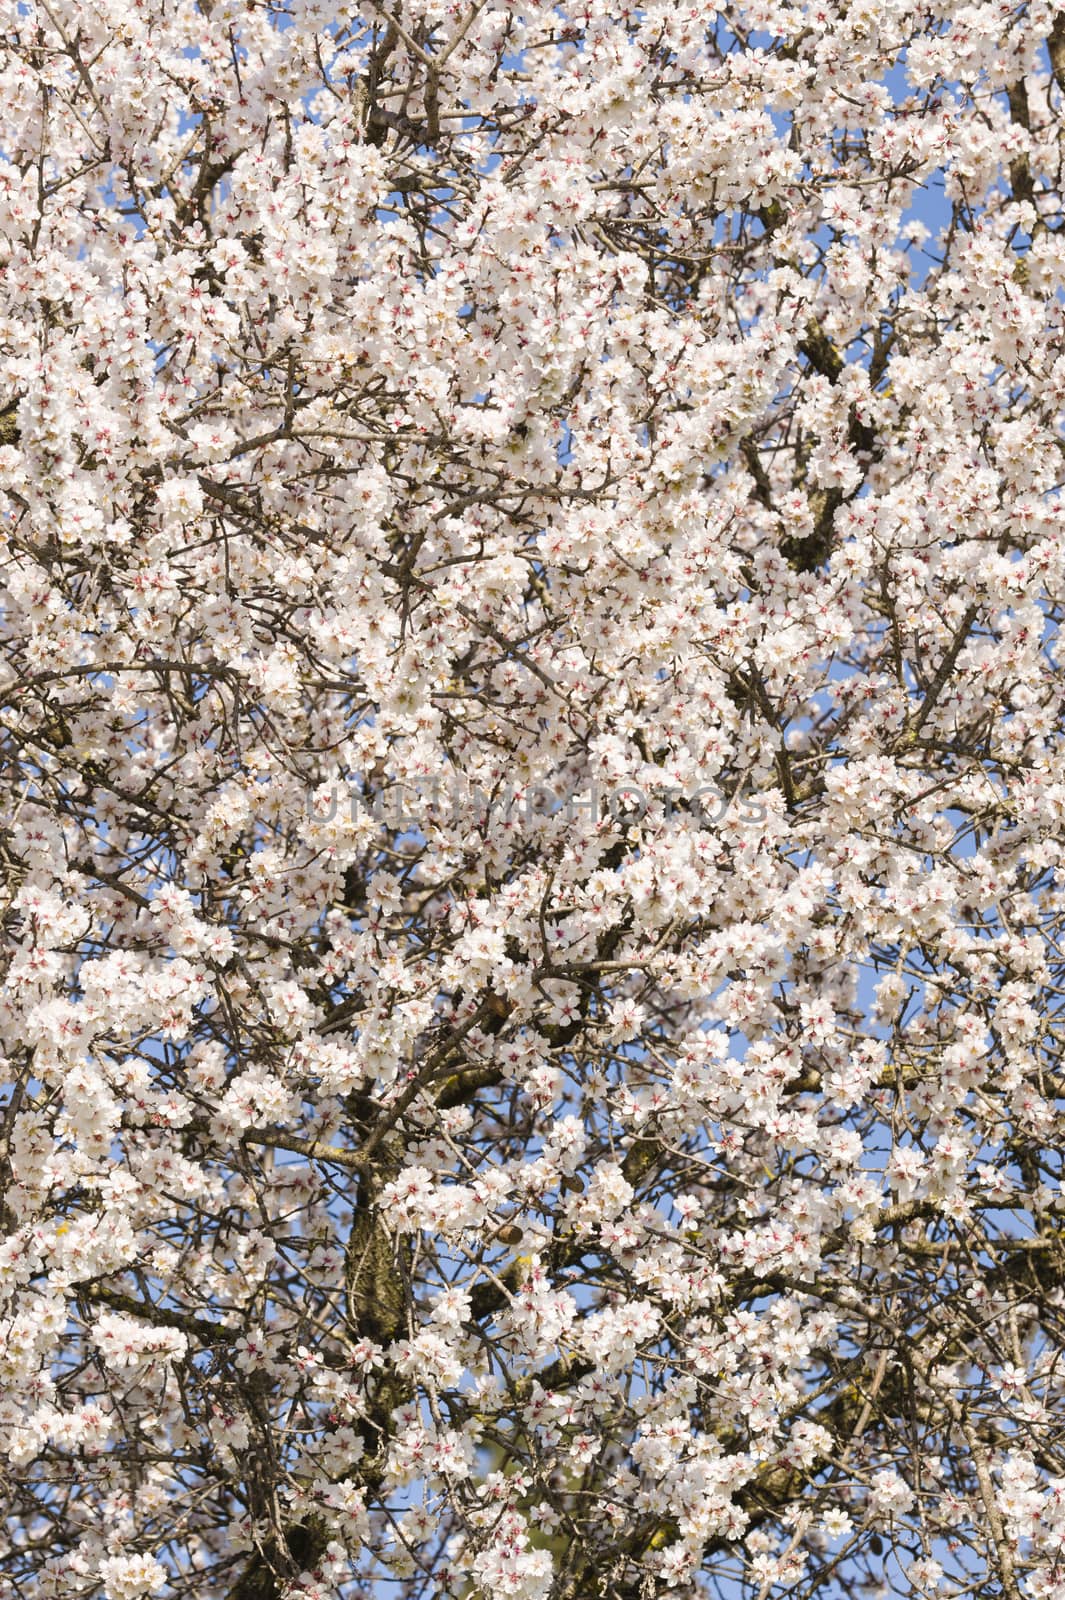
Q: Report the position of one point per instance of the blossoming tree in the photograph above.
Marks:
(531, 744)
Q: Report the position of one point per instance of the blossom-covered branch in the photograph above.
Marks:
(531, 751)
